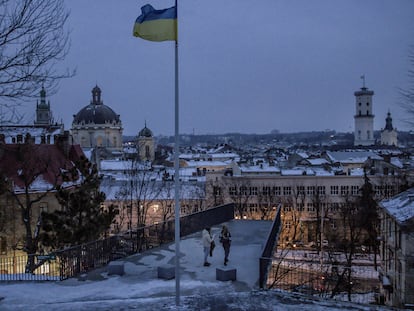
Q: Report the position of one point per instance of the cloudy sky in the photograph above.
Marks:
(245, 66)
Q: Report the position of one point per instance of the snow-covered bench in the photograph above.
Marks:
(166, 272)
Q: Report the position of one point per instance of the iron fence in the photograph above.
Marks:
(359, 283)
(73, 261)
(267, 254)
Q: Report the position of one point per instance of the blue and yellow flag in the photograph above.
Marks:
(156, 25)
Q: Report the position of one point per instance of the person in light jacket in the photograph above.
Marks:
(207, 240)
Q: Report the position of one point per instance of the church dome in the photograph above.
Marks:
(145, 132)
(96, 112)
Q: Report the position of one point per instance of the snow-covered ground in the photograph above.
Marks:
(140, 289)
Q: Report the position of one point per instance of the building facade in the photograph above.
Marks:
(397, 250)
(312, 200)
(30, 174)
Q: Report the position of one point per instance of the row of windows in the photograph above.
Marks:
(288, 190)
(289, 225)
(311, 207)
(302, 190)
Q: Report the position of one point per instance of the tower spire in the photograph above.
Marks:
(363, 81)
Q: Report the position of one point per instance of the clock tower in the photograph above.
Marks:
(364, 119)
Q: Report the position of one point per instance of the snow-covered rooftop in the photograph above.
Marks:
(352, 157)
(401, 206)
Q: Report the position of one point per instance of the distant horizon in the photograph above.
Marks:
(280, 133)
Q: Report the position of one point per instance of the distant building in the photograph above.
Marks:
(389, 133)
(304, 192)
(43, 131)
(30, 175)
(145, 144)
(97, 125)
(397, 250)
(364, 119)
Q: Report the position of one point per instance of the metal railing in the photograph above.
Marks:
(70, 262)
(357, 284)
(265, 260)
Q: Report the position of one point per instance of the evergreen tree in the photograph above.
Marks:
(82, 218)
(368, 216)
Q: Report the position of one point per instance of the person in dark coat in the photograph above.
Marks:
(225, 239)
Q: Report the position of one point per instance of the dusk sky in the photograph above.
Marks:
(245, 66)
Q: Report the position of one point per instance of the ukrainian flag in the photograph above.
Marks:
(156, 25)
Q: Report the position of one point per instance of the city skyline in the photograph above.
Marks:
(244, 67)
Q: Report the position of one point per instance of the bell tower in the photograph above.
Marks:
(43, 114)
(364, 119)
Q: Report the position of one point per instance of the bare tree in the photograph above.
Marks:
(33, 39)
(239, 194)
(350, 235)
(215, 192)
(32, 163)
(267, 202)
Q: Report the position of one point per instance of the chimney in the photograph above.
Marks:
(63, 142)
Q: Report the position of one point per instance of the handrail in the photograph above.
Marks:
(266, 259)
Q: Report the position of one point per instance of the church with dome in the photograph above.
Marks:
(97, 125)
(145, 144)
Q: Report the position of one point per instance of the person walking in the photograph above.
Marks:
(225, 240)
(207, 240)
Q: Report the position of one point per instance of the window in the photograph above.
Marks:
(243, 190)
(253, 190)
(334, 190)
(266, 190)
(344, 190)
(232, 190)
(287, 190)
(3, 246)
(276, 191)
(288, 225)
(354, 190)
(147, 151)
(310, 207)
(321, 190)
(301, 190)
(216, 190)
(311, 190)
(334, 207)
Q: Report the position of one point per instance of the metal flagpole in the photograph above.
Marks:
(177, 175)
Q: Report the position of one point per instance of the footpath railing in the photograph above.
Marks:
(265, 261)
(73, 261)
(359, 283)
